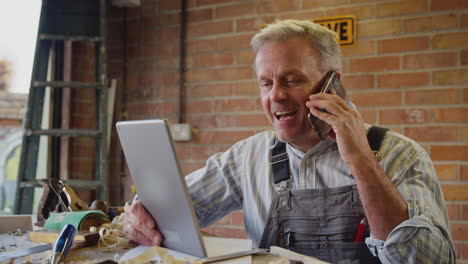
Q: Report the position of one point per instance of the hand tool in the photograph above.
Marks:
(63, 244)
(25, 252)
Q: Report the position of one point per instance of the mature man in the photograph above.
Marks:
(311, 195)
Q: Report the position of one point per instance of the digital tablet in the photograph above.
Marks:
(161, 188)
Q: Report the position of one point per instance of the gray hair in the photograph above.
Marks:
(321, 39)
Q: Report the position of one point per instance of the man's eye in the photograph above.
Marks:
(292, 82)
(265, 84)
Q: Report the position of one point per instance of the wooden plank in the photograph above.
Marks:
(82, 238)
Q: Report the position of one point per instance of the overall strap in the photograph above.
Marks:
(280, 160)
(375, 136)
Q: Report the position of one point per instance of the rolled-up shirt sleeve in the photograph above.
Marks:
(425, 236)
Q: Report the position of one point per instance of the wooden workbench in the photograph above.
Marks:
(94, 254)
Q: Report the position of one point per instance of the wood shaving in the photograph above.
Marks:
(111, 234)
(146, 256)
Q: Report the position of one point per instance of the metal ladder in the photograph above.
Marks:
(64, 21)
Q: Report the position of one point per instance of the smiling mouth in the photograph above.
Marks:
(284, 115)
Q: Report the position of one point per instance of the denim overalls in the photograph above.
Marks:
(322, 223)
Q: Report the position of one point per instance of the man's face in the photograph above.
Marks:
(287, 74)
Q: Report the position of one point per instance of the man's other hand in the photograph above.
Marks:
(140, 227)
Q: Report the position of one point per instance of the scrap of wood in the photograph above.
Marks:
(82, 238)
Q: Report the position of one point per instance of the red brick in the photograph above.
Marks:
(245, 57)
(168, 92)
(455, 192)
(438, 5)
(224, 221)
(450, 152)
(83, 108)
(252, 24)
(465, 212)
(231, 137)
(211, 121)
(459, 231)
(450, 77)
(199, 15)
(362, 47)
(168, 19)
(378, 28)
(310, 4)
(401, 7)
(200, 152)
(198, 107)
(220, 74)
(453, 211)
(182, 151)
(375, 64)
(464, 57)
(251, 120)
(458, 252)
(450, 40)
(465, 95)
(209, 28)
(211, 90)
(188, 167)
(352, 82)
(369, 116)
(464, 252)
(235, 10)
(377, 99)
(430, 23)
(464, 23)
(212, 2)
(446, 171)
(403, 44)
(464, 172)
(404, 116)
(234, 42)
(167, 63)
(397, 80)
(200, 45)
(269, 7)
(82, 166)
(451, 115)
(170, 5)
(236, 105)
(246, 88)
(438, 96)
(315, 13)
(361, 11)
(465, 134)
(430, 60)
(226, 232)
(237, 218)
(431, 134)
(214, 59)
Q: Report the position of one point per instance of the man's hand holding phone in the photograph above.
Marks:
(140, 227)
(347, 125)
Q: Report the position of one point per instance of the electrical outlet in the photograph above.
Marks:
(181, 132)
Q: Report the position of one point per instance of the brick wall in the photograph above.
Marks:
(408, 72)
(83, 116)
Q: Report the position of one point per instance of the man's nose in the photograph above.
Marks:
(278, 93)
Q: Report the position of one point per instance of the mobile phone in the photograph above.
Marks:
(321, 128)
